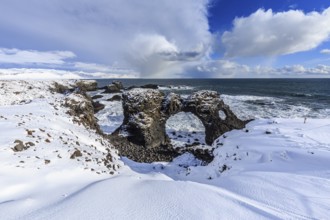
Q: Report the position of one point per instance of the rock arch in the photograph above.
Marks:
(147, 110)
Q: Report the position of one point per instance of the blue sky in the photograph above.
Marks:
(168, 38)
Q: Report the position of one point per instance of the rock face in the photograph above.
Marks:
(115, 87)
(147, 110)
(80, 107)
(144, 122)
(87, 85)
(206, 106)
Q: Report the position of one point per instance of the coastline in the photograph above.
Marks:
(275, 168)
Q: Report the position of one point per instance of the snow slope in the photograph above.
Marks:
(273, 169)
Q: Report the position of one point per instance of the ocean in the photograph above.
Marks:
(254, 98)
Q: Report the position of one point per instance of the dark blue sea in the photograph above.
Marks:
(255, 98)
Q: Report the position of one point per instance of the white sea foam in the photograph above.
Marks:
(180, 87)
(247, 107)
(244, 106)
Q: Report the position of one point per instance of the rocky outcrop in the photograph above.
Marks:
(114, 98)
(206, 106)
(149, 86)
(80, 106)
(82, 112)
(144, 122)
(147, 110)
(87, 85)
(98, 106)
(114, 87)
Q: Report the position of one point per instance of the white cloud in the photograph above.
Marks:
(23, 73)
(145, 35)
(229, 69)
(265, 33)
(16, 56)
(325, 51)
(96, 69)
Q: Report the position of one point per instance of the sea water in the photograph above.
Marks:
(254, 98)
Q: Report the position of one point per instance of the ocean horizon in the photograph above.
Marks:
(254, 98)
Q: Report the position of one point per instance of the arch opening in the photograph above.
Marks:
(222, 115)
(185, 129)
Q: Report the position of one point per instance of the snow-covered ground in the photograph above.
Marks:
(273, 169)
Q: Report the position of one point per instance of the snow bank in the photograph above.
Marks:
(47, 170)
(272, 169)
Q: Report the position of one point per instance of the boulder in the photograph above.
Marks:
(114, 87)
(87, 85)
(118, 84)
(75, 154)
(149, 86)
(97, 96)
(19, 146)
(115, 98)
(97, 106)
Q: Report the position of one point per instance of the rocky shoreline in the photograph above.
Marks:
(142, 136)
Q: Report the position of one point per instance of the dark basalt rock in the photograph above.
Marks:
(82, 111)
(19, 146)
(142, 136)
(59, 88)
(143, 119)
(115, 98)
(75, 154)
(97, 106)
(87, 85)
(97, 96)
(115, 87)
(150, 86)
(206, 106)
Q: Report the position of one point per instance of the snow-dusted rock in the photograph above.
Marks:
(114, 87)
(206, 106)
(147, 110)
(87, 85)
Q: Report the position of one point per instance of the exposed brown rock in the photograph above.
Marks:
(97, 96)
(115, 98)
(75, 154)
(87, 85)
(19, 146)
(97, 106)
(114, 87)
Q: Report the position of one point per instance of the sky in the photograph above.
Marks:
(166, 38)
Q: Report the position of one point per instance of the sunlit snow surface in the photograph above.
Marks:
(273, 169)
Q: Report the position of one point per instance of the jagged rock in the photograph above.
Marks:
(83, 112)
(206, 106)
(29, 144)
(75, 154)
(97, 96)
(97, 106)
(143, 119)
(87, 85)
(115, 98)
(118, 84)
(149, 86)
(172, 104)
(147, 110)
(19, 146)
(115, 87)
(59, 88)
